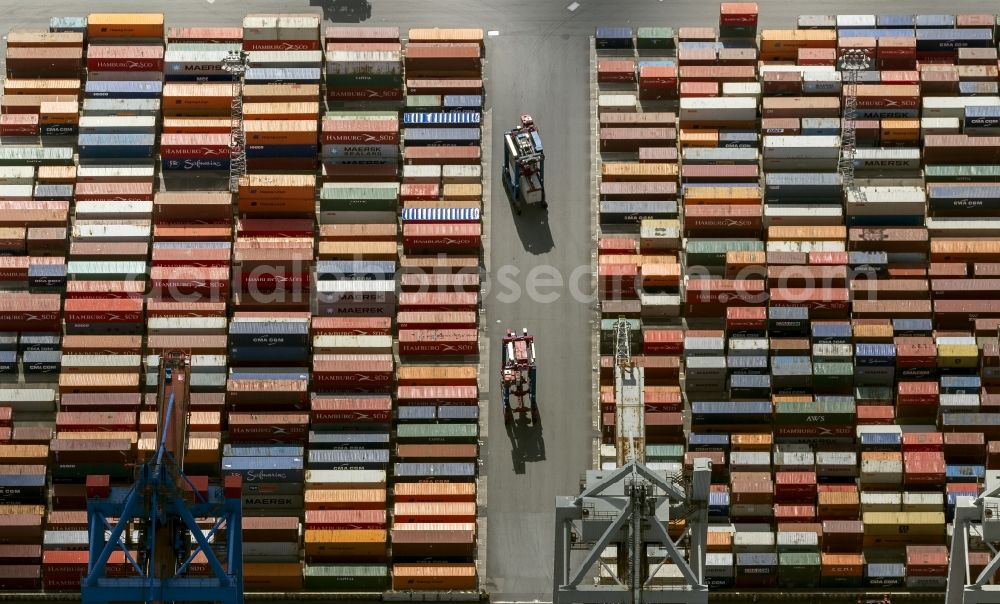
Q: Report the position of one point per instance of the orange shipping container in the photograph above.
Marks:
(459, 577)
(124, 25)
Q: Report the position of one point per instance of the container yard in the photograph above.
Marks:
(291, 313)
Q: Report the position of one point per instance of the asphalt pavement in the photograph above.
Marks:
(538, 63)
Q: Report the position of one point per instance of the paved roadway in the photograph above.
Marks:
(539, 64)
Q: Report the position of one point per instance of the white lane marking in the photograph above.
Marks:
(573, 7)
(493, 33)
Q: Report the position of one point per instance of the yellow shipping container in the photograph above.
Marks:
(699, 138)
(660, 275)
(357, 250)
(637, 171)
(462, 192)
(900, 130)
(346, 544)
(807, 233)
(958, 355)
(723, 195)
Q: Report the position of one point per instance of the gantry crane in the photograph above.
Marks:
(237, 62)
(517, 375)
(164, 505)
(852, 63)
(630, 508)
(523, 168)
(975, 517)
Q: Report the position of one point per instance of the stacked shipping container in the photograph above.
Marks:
(844, 404)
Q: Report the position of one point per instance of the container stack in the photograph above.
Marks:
(282, 118)
(434, 525)
(363, 65)
(35, 62)
(197, 98)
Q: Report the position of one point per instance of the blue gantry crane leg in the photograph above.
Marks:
(165, 503)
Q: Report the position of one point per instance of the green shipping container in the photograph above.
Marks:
(737, 31)
(827, 412)
(833, 375)
(664, 453)
(423, 101)
(962, 173)
(348, 197)
(114, 270)
(798, 569)
(365, 81)
(655, 38)
(439, 433)
(347, 578)
(712, 252)
(882, 394)
(33, 156)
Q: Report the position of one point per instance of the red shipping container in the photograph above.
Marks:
(699, 89)
(329, 409)
(926, 560)
(964, 447)
(746, 318)
(738, 13)
(928, 442)
(124, 58)
(19, 124)
(269, 427)
(875, 415)
(195, 145)
(661, 400)
(439, 395)
(90, 421)
(114, 191)
(442, 236)
(114, 310)
(364, 94)
(438, 301)
(281, 45)
(438, 342)
(440, 320)
(794, 514)
(360, 132)
(367, 326)
(795, 487)
(923, 469)
(917, 393)
(620, 70)
(352, 376)
(345, 519)
(663, 341)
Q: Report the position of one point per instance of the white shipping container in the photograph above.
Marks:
(128, 210)
(748, 346)
(106, 267)
(832, 350)
(808, 147)
(17, 175)
(347, 288)
(286, 58)
(672, 468)
(797, 541)
(881, 501)
(940, 125)
(749, 89)
(951, 226)
(28, 400)
(803, 461)
(887, 201)
(806, 246)
(750, 461)
(16, 192)
(186, 325)
(660, 305)
(954, 106)
(923, 502)
(342, 478)
(113, 173)
(421, 173)
(719, 156)
(100, 363)
(114, 76)
(855, 21)
(352, 343)
(817, 22)
(717, 109)
(887, 159)
(836, 463)
(616, 102)
(881, 472)
(352, 62)
(803, 215)
(461, 173)
(803, 69)
(695, 346)
(121, 107)
(112, 232)
(118, 124)
(968, 403)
